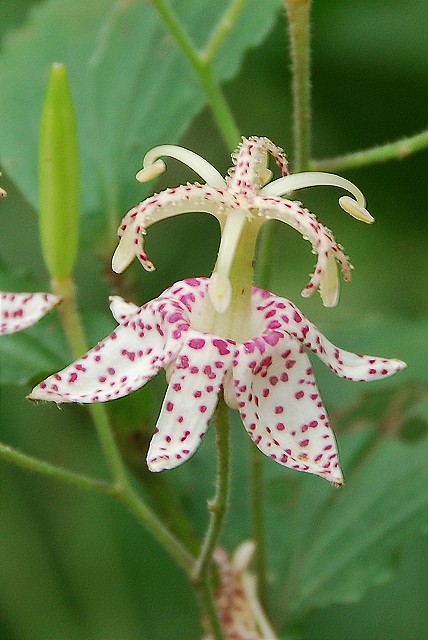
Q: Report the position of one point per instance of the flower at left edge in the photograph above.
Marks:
(21, 310)
(267, 377)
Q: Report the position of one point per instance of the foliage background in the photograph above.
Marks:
(77, 566)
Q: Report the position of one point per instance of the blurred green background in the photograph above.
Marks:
(78, 566)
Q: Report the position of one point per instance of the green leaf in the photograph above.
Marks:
(334, 544)
(131, 86)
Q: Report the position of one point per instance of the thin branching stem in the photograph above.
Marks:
(31, 463)
(201, 64)
(217, 506)
(74, 332)
(391, 151)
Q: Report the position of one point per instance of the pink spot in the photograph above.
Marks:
(170, 406)
(196, 343)
(304, 443)
(284, 377)
(202, 408)
(279, 409)
(280, 426)
(299, 394)
(272, 338)
(222, 346)
(73, 377)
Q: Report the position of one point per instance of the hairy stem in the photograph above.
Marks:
(23, 460)
(73, 329)
(392, 151)
(257, 504)
(298, 12)
(217, 506)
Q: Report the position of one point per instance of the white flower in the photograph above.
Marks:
(242, 198)
(21, 310)
(267, 376)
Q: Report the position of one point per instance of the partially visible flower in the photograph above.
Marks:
(242, 199)
(21, 310)
(267, 375)
(239, 611)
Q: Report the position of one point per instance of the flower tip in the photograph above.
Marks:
(355, 209)
(2, 193)
(122, 257)
(220, 292)
(151, 172)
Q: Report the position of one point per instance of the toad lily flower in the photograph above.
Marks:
(21, 310)
(266, 375)
(239, 610)
(241, 202)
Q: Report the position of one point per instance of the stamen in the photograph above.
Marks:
(355, 209)
(151, 171)
(287, 184)
(153, 167)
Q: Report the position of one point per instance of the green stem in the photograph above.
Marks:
(257, 504)
(392, 151)
(222, 29)
(170, 510)
(53, 471)
(73, 329)
(156, 528)
(207, 602)
(65, 289)
(217, 506)
(298, 12)
(201, 64)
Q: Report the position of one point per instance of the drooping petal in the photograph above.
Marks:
(21, 310)
(283, 315)
(190, 400)
(124, 361)
(168, 203)
(281, 408)
(321, 238)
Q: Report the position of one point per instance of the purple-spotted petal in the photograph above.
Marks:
(351, 366)
(171, 202)
(190, 400)
(121, 309)
(21, 310)
(130, 356)
(282, 410)
(321, 238)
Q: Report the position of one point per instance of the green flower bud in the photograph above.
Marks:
(59, 177)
